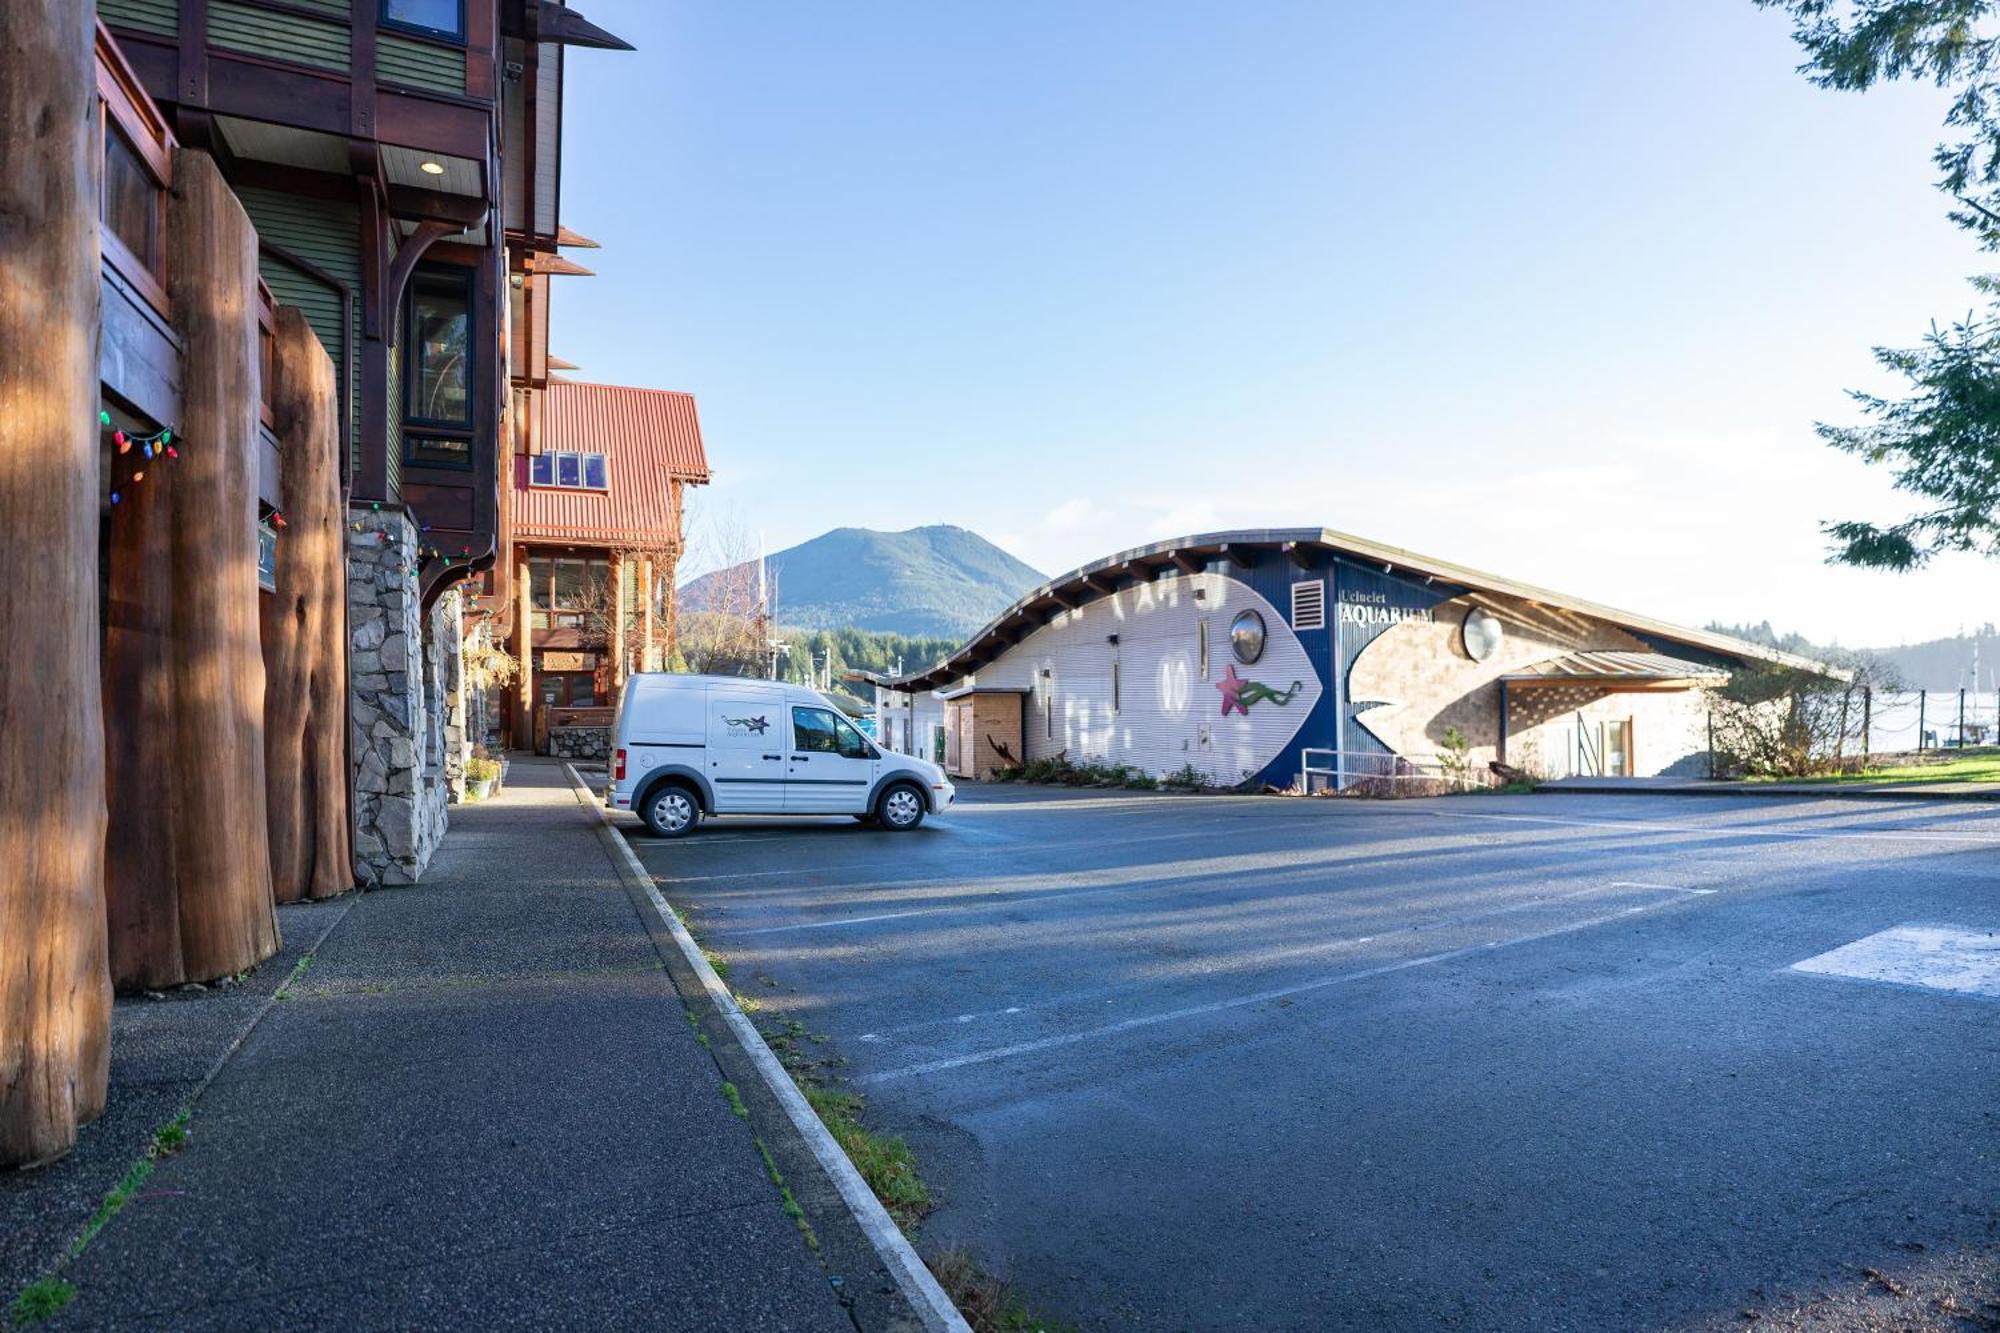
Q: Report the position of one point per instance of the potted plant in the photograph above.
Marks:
(481, 775)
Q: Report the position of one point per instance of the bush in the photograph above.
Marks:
(481, 769)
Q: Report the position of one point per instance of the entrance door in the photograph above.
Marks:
(747, 736)
(1617, 748)
(832, 765)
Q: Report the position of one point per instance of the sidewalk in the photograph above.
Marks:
(479, 1102)
(1828, 791)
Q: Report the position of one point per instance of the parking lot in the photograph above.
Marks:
(1484, 1062)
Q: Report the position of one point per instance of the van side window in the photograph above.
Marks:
(813, 729)
(853, 745)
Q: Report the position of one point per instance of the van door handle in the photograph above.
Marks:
(774, 756)
(801, 758)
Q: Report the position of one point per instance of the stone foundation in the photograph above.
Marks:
(397, 731)
(580, 743)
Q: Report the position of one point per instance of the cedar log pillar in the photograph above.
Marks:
(55, 993)
(305, 629)
(222, 863)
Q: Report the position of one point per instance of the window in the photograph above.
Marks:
(440, 378)
(853, 745)
(577, 471)
(1114, 684)
(435, 357)
(133, 200)
(813, 731)
(433, 18)
(561, 592)
(1204, 648)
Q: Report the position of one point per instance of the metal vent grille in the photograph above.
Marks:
(1309, 604)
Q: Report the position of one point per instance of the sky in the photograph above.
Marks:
(1556, 290)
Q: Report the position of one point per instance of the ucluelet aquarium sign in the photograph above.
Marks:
(1372, 609)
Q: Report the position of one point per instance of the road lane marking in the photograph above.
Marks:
(1260, 997)
(1714, 830)
(1966, 962)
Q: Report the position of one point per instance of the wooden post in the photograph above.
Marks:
(614, 642)
(649, 658)
(55, 992)
(305, 631)
(221, 859)
(524, 647)
(142, 902)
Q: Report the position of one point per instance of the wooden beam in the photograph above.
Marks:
(1300, 554)
(305, 628)
(1237, 555)
(222, 866)
(55, 991)
(1184, 562)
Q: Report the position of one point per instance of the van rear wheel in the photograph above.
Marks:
(671, 812)
(901, 808)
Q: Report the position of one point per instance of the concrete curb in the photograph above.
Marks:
(925, 1296)
(1772, 791)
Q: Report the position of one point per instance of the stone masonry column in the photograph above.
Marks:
(399, 791)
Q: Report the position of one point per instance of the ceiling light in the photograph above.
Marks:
(431, 168)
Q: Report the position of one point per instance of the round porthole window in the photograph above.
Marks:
(1481, 634)
(1246, 636)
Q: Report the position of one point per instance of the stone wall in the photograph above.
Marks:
(399, 789)
(580, 742)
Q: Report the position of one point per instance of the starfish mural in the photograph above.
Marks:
(1238, 694)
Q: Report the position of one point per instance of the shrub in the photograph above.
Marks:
(481, 769)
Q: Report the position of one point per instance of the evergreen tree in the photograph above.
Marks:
(1941, 443)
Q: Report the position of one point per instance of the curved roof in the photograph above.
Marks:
(1310, 548)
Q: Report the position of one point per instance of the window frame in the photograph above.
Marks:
(554, 459)
(418, 428)
(408, 28)
(119, 110)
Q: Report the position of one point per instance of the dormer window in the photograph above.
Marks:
(584, 472)
(431, 18)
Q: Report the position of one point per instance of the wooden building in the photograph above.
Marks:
(255, 380)
(400, 161)
(1272, 656)
(593, 534)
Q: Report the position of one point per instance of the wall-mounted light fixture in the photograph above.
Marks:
(431, 168)
(1111, 639)
(1201, 594)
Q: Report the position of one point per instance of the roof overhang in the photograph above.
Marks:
(1308, 548)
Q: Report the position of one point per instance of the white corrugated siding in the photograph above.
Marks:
(1169, 714)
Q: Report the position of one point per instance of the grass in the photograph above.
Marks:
(298, 970)
(40, 1299)
(883, 1160)
(989, 1303)
(735, 1100)
(1978, 764)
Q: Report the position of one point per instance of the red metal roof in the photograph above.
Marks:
(649, 439)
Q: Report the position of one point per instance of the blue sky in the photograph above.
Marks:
(1556, 290)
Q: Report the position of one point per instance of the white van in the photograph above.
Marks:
(687, 746)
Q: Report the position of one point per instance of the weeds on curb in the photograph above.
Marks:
(883, 1160)
(735, 1100)
(990, 1304)
(298, 970)
(40, 1299)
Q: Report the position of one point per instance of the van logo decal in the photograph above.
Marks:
(748, 725)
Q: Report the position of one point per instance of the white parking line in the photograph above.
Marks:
(1240, 1001)
(1727, 831)
(1298, 951)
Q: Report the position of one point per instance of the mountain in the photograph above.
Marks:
(939, 582)
(1935, 664)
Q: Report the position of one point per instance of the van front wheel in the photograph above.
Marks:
(902, 808)
(671, 812)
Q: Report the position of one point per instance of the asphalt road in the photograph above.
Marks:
(1488, 1062)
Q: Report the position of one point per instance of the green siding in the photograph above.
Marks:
(161, 16)
(326, 233)
(394, 414)
(339, 7)
(277, 36)
(419, 64)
